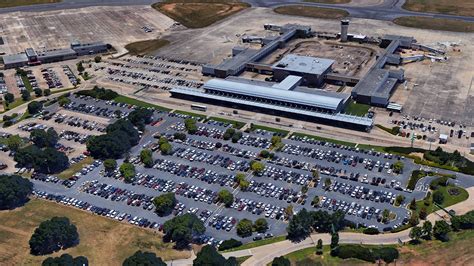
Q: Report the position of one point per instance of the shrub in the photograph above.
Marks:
(371, 231)
(230, 243)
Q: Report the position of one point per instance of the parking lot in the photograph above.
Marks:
(362, 185)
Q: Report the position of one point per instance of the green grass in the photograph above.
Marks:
(282, 132)
(449, 200)
(241, 260)
(235, 124)
(358, 109)
(370, 147)
(132, 101)
(346, 143)
(308, 256)
(394, 130)
(13, 3)
(145, 47)
(61, 90)
(74, 168)
(435, 24)
(312, 12)
(27, 83)
(257, 243)
(199, 116)
(199, 13)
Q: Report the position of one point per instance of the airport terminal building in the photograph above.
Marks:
(282, 99)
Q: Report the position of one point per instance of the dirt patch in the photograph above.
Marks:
(313, 12)
(145, 47)
(199, 14)
(452, 7)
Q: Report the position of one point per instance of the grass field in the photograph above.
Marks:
(435, 24)
(145, 47)
(12, 3)
(313, 12)
(132, 101)
(282, 132)
(458, 251)
(102, 241)
(241, 260)
(452, 7)
(329, 1)
(359, 109)
(448, 199)
(236, 124)
(75, 167)
(199, 13)
(258, 243)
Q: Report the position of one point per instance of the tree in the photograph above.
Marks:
(438, 197)
(146, 157)
(110, 165)
(179, 135)
(260, 225)
(427, 199)
(230, 243)
(62, 101)
(244, 184)
(14, 142)
(414, 219)
(315, 201)
(53, 235)
(257, 167)
(264, 153)
(166, 148)
(416, 233)
(398, 167)
(14, 191)
(9, 97)
(65, 260)
(315, 174)
(164, 203)
(423, 213)
(190, 125)
(275, 140)
(143, 258)
(327, 183)
(412, 204)
(128, 172)
(46, 161)
(334, 240)
(385, 215)
(299, 226)
(141, 117)
(289, 210)
(181, 229)
(441, 230)
(80, 67)
(47, 92)
(38, 92)
(427, 230)
(97, 59)
(44, 138)
(281, 261)
(244, 228)
(319, 247)
(225, 197)
(25, 95)
(208, 256)
(399, 200)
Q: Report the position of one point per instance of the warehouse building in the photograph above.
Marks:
(32, 57)
(311, 69)
(283, 99)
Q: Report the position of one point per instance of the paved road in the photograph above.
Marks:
(387, 10)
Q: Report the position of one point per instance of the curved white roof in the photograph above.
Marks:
(315, 100)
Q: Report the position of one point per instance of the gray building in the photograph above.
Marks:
(56, 55)
(311, 69)
(15, 60)
(89, 48)
(378, 85)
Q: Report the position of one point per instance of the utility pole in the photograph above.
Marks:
(412, 138)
